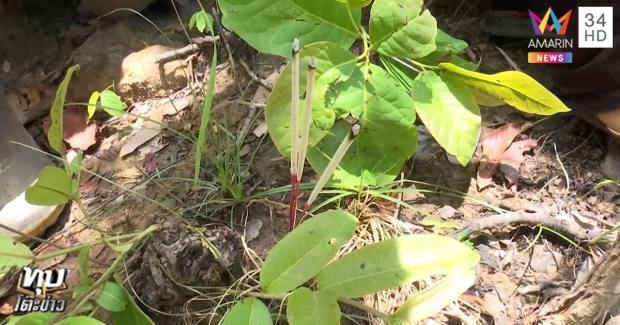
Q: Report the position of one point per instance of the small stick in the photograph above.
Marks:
(307, 117)
(329, 170)
(295, 107)
(294, 133)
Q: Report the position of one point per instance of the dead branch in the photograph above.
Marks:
(589, 301)
(534, 219)
(197, 42)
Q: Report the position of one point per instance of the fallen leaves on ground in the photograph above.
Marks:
(512, 158)
(77, 130)
(494, 147)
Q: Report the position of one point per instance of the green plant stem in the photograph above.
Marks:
(87, 216)
(347, 301)
(206, 112)
(72, 249)
(359, 305)
(405, 64)
(82, 299)
(355, 24)
(423, 66)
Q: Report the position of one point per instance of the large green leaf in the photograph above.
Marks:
(333, 63)
(37, 318)
(398, 71)
(305, 307)
(431, 300)
(514, 88)
(9, 245)
(54, 134)
(405, 75)
(448, 44)
(249, 311)
(356, 3)
(394, 262)
(302, 253)
(131, 314)
(112, 297)
(398, 29)
(450, 113)
(271, 25)
(53, 187)
(387, 136)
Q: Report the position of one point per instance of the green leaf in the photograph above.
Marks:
(36, 318)
(54, 134)
(249, 311)
(92, 103)
(75, 168)
(448, 44)
(514, 88)
(52, 188)
(112, 297)
(394, 262)
(131, 315)
(450, 113)
(10, 246)
(202, 21)
(270, 26)
(83, 266)
(111, 103)
(398, 71)
(462, 63)
(80, 320)
(431, 300)
(387, 136)
(118, 247)
(80, 289)
(356, 3)
(302, 253)
(333, 63)
(398, 29)
(305, 307)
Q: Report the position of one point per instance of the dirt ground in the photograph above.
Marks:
(518, 272)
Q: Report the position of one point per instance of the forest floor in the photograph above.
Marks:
(522, 265)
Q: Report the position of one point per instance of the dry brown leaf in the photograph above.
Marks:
(493, 147)
(77, 130)
(139, 138)
(260, 130)
(511, 160)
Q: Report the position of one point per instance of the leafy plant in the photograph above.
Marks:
(309, 250)
(421, 76)
(57, 186)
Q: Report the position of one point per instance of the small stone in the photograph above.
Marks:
(447, 212)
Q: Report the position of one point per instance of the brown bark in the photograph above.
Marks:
(589, 301)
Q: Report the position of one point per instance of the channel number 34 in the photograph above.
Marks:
(596, 26)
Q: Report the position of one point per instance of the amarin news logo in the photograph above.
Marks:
(559, 25)
(544, 42)
(35, 286)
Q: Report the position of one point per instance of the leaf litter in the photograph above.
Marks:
(497, 146)
(78, 131)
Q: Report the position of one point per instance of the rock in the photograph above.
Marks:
(142, 77)
(118, 55)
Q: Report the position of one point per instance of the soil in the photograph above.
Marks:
(519, 269)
